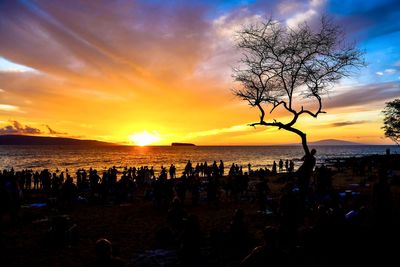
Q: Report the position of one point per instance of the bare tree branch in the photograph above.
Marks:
(281, 64)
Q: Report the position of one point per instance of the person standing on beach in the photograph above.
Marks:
(280, 165)
(305, 171)
(221, 168)
(274, 168)
(291, 166)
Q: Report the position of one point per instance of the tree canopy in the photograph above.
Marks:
(290, 67)
(391, 120)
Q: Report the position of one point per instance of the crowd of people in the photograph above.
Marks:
(313, 218)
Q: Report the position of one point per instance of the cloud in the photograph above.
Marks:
(345, 123)
(52, 132)
(390, 71)
(364, 94)
(311, 11)
(2, 90)
(139, 39)
(386, 72)
(301, 17)
(232, 129)
(17, 128)
(6, 107)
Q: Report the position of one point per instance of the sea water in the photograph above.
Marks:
(103, 157)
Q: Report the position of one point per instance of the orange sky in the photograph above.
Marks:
(112, 72)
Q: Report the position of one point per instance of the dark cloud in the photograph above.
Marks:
(51, 131)
(345, 123)
(364, 94)
(17, 128)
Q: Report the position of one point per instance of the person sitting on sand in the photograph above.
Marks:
(104, 255)
(176, 215)
(237, 236)
(269, 253)
(190, 242)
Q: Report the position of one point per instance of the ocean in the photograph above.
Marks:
(103, 157)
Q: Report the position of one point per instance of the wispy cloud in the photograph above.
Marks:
(364, 94)
(390, 71)
(53, 132)
(313, 9)
(345, 123)
(386, 72)
(6, 107)
(232, 129)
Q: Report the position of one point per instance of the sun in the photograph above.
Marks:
(144, 138)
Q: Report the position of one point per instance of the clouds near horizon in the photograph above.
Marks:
(17, 128)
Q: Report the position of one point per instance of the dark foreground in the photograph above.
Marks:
(349, 216)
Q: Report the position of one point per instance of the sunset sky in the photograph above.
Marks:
(110, 70)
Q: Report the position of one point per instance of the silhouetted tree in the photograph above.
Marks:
(283, 65)
(392, 120)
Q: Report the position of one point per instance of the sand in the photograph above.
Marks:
(132, 227)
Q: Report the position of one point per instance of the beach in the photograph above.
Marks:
(135, 227)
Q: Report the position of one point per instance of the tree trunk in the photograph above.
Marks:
(303, 137)
(304, 143)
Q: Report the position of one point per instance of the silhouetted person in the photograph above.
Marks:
(289, 210)
(195, 188)
(69, 192)
(280, 165)
(104, 255)
(274, 168)
(291, 166)
(323, 181)
(176, 215)
(262, 190)
(191, 242)
(172, 171)
(221, 168)
(382, 200)
(237, 236)
(305, 171)
(188, 168)
(269, 253)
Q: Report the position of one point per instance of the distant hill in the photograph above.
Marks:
(24, 140)
(182, 144)
(334, 142)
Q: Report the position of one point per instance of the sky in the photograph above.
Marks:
(122, 71)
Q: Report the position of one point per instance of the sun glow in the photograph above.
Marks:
(144, 138)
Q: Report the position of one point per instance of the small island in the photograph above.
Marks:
(182, 144)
